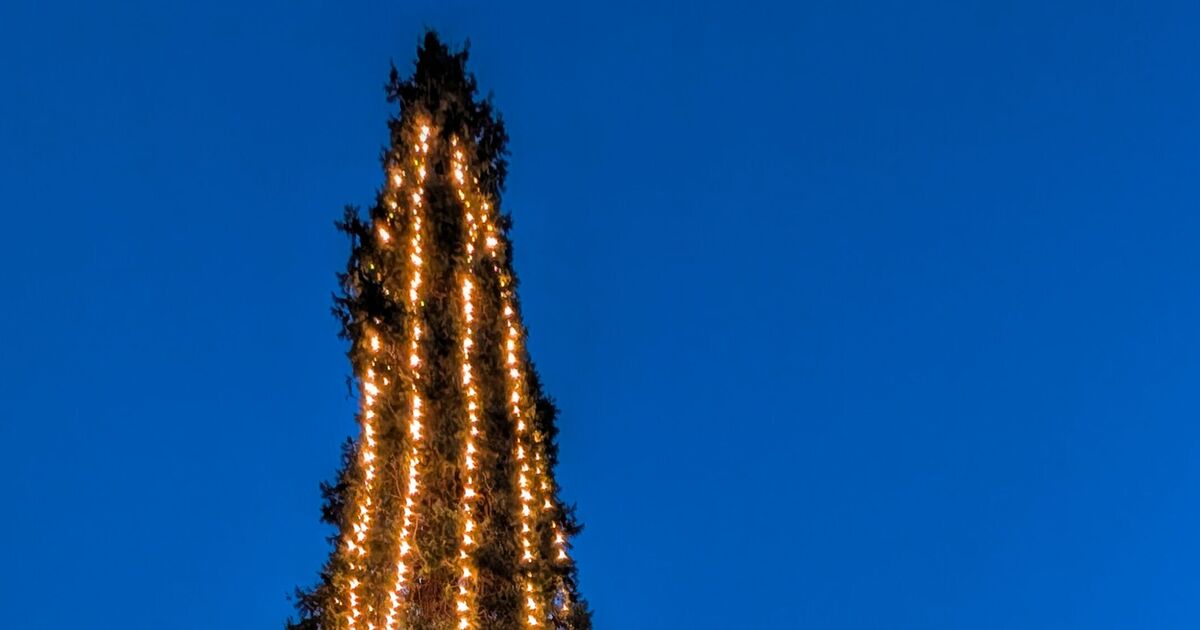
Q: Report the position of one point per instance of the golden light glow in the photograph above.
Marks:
(415, 304)
(525, 456)
(355, 540)
(537, 513)
(466, 585)
(531, 479)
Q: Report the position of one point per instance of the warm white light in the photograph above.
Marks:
(415, 258)
(535, 511)
(466, 585)
(518, 415)
(360, 525)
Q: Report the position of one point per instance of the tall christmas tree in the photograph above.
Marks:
(446, 507)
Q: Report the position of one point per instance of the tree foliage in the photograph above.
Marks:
(442, 92)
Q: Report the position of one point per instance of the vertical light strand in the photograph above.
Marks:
(559, 540)
(522, 452)
(546, 492)
(561, 556)
(466, 569)
(355, 542)
(415, 304)
(531, 480)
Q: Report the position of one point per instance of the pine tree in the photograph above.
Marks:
(446, 509)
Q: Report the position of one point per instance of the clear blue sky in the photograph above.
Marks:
(861, 315)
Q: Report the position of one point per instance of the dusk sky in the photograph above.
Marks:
(860, 315)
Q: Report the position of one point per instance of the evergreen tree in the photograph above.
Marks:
(446, 509)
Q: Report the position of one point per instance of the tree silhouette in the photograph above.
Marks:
(446, 510)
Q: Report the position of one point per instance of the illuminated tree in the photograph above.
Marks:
(446, 508)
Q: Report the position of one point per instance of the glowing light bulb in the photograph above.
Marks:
(413, 457)
(535, 512)
(362, 499)
(466, 585)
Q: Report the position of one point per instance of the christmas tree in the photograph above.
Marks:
(446, 508)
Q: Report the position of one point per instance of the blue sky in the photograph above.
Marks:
(860, 315)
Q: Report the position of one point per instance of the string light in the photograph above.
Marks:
(527, 444)
(466, 580)
(524, 452)
(416, 261)
(356, 538)
(559, 541)
(536, 504)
